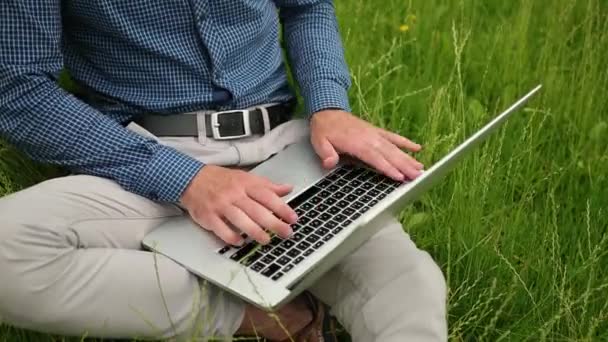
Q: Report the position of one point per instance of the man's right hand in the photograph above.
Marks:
(218, 198)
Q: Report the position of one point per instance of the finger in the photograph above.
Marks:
(375, 159)
(274, 203)
(279, 189)
(325, 150)
(407, 165)
(241, 221)
(400, 141)
(221, 229)
(265, 218)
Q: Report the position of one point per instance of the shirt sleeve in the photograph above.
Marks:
(52, 126)
(316, 53)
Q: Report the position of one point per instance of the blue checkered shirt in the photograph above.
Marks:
(141, 56)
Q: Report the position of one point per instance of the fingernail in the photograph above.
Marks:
(240, 243)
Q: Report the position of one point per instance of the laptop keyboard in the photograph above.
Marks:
(323, 210)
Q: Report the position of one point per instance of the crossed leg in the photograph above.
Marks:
(71, 263)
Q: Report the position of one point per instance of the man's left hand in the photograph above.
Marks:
(336, 131)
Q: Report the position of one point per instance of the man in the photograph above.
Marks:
(70, 255)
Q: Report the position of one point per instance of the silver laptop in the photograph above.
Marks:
(338, 211)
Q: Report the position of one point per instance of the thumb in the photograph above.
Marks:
(325, 151)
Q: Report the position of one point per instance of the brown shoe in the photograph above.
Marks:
(321, 329)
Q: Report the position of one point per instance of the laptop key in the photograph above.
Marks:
(337, 230)
(300, 212)
(332, 177)
(319, 244)
(328, 237)
(373, 193)
(283, 260)
(333, 210)
(389, 190)
(330, 201)
(345, 223)
(355, 183)
(303, 197)
(342, 204)
(224, 249)
(270, 270)
(277, 276)
(308, 252)
(367, 186)
(373, 203)
(268, 259)
(306, 206)
(324, 194)
(287, 244)
(266, 248)
(312, 238)
(321, 207)
(307, 230)
(287, 268)
(294, 252)
(330, 224)
(275, 241)
(341, 182)
(351, 197)
(297, 237)
(316, 200)
(366, 199)
(324, 217)
(347, 189)
(243, 251)
(342, 170)
(357, 205)
(258, 266)
(303, 245)
(303, 220)
(298, 260)
(333, 188)
(277, 251)
(250, 259)
(359, 192)
(348, 211)
(315, 223)
(323, 183)
(338, 195)
(381, 196)
(312, 214)
(321, 231)
(340, 218)
(355, 216)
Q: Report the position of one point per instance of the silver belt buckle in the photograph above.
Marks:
(216, 125)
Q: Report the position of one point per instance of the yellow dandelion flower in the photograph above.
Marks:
(404, 28)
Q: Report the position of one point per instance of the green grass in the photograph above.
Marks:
(520, 228)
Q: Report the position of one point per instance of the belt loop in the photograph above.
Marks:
(202, 128)
(265, 118)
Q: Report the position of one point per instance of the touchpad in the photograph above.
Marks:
(297, 165)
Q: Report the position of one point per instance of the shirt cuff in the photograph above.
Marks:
(325, 94)
(168, 174)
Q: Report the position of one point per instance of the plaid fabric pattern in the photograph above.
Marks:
(142, 56)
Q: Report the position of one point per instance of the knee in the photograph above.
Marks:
(23, 254)
(429, 279)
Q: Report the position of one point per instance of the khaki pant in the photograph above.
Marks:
(71, 263)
